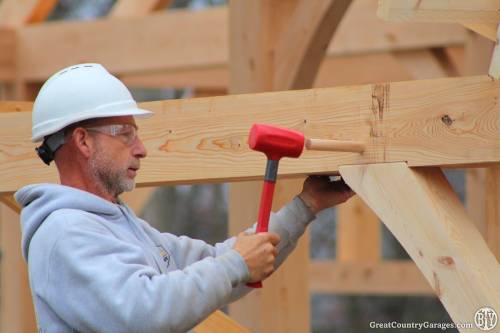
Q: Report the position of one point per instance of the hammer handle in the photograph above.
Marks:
(266, 201)
(335, 145)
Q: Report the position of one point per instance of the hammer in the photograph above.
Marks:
(277, 142)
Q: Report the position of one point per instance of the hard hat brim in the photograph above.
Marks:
(61, 123)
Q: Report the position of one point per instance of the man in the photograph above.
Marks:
(94, 266)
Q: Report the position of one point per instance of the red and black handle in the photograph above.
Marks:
(266, 202)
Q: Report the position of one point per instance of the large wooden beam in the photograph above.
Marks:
(167, 33)
(398, 277)
(101, 41)
(15, 13)
(476, 11)
(442, 122)
(425, 215)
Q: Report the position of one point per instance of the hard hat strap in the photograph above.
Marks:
(49, 146)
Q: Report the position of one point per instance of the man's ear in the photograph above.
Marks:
(82, 141)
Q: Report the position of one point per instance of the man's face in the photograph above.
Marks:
(116, 156)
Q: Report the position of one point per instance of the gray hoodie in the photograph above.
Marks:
(94, 266)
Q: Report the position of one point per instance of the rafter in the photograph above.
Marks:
(446, 122)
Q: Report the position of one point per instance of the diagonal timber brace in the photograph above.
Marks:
(420, 208)
(443, 122)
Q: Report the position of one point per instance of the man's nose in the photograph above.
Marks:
(138, 150)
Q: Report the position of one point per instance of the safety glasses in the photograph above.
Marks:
(126, 133)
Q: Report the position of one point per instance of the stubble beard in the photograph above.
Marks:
(112, 179)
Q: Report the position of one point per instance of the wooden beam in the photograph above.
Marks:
(477, 11)
(401, 277)
(99, 41)
(420, 208)
(488, 30)
(136, 8)
(15, 13)
(262, 33)
(8, 54)
(219, 322)
(333, 71)
(376, 35)
(280, 305)
(17, 106)
(9, 201)
(167, 33)
(421, 64)
(309, 33)
(16, 308)
(442, 122)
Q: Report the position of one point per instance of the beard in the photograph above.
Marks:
(112, 178)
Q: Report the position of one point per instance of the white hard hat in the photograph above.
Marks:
(77, 93)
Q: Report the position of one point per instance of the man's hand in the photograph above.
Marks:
(259, 252)
(320, 193)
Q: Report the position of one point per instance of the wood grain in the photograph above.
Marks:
(443, 122)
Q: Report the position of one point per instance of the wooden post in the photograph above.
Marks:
(426, 216)
(262, 35)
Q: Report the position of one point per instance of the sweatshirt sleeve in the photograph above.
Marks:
(289, 222)
(99, 283)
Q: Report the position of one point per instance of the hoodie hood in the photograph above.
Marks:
(40, 200)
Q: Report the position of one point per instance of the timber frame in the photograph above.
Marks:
(444, 113)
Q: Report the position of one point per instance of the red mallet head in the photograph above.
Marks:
(276, 142)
